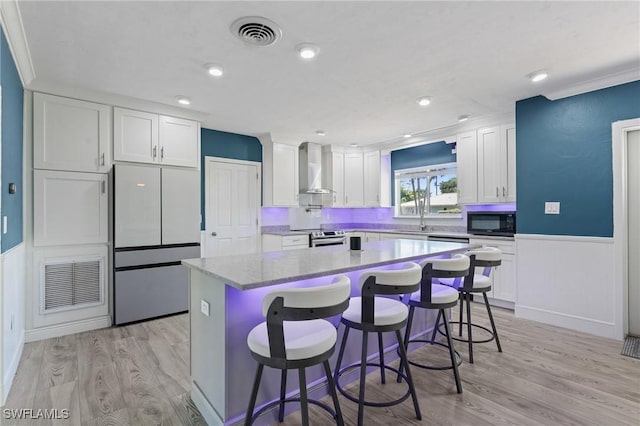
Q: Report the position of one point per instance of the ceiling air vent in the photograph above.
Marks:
(256, 30)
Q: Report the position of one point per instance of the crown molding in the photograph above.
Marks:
(614, 79)
(14, 31)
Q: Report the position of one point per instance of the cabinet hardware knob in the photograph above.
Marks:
(497, 193)
(162, 153)
(504, 192)
(102, 159)
(155, 148)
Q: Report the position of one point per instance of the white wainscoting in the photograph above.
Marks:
(568, 281)
(12, 296)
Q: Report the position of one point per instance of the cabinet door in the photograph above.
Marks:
(489, 166)
(180, 206)
(504, 279)
(70, 135)
(137, 206)
(135, 136)
(467, 161)
(372, 236)
(353, 180)
(372, 179)
(70, 208)
(179, 140)
(508, 156)
(333, 177)
(285, 175)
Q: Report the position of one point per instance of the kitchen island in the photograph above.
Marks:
(225, 303)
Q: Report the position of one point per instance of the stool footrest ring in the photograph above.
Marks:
(368, 403)
(429, 367)
(460, 339)
(278, 402)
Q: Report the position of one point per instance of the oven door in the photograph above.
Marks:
(323, 242)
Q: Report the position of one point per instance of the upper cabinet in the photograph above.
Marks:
(353, 179)
(486, 165)
(372, 187)
(70, 135)
(280, 163)
(496, 164)
(467, 161)
(143, 137)
(333, 174)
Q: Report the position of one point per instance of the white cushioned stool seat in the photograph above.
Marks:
(302, 339)
(479, 281)
(386, 311)
(440, 294)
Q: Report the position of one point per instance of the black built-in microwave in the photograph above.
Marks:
(492, 223)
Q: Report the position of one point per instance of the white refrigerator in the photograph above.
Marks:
(156, 225)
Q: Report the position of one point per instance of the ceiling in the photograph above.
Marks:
(375, 59)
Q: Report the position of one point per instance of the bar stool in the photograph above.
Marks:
(378, 315)
(486, 258)
(440, 297)
(294, 336)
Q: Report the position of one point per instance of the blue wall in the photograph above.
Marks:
(418, 156)
(563, 153)
(11, 141)
(215, 143)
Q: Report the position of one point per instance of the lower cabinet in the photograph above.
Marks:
(503, 288)
(272, 242)
(371, 236)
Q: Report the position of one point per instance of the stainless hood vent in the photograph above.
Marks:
(310, 170)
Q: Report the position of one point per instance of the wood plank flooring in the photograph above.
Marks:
(138, 375)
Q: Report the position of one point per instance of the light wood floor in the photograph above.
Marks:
(138, 375)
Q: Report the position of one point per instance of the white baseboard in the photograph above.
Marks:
(573, 322)
(208, 412)
(7, 380)
(67, 328)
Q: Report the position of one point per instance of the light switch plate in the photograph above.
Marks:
(552, 207)
(4, 224)
(204, 307)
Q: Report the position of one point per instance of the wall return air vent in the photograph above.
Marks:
(256, 30)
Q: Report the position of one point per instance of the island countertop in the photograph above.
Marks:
(255, 270)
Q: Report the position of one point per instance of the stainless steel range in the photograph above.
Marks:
(326, 238)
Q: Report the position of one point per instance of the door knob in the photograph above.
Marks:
(214, 234)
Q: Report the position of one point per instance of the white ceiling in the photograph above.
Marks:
(375, 59)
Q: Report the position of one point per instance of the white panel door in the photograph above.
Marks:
(137, 206)
(509, 169)
(372, 179)
(285, 175)
(232, 204)
(180, 206)
(467, 162)
(69, 134)
(179, 140)
(70, 208)
(337, 177)
(489, 165)
(135, 136)
(353, 180)
(633, 220)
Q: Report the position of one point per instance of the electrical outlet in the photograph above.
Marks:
(552, 207)
(204, 307)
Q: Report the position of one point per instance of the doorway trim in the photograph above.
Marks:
(258, 165)
(620, 131)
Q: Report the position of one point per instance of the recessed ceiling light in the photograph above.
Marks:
(463, 118)
(537, 76)
(321, 133)
(183, 100)
(354, 145)
(406, 135)
(214, 70)
(423, 101)
(307, 51)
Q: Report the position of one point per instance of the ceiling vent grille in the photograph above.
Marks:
(256, 30)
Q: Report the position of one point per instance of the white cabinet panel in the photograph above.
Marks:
(180, 206)
(353, 179)
(372, 179)
(489, 166)
(285, 175)
(179, 141)
(135, 136)
(69, 134)
(508, 132)
(467, 162)
(333, 175)
(70, 208)
(504, 276)
(137, 206)
(371, 236)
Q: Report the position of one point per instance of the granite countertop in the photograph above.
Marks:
(265, 269)
(400, 231)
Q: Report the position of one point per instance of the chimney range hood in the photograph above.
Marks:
(310, 169)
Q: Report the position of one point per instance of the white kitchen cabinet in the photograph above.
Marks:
(280, 163)
(70, 208)
(353, 179)
(156, 206)
(70, 135)
(467, 163)
(504, 276)
(496, 164)
(371, 236)
(145, 137)
(371, 173)
(272, 242)
(333, 174)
